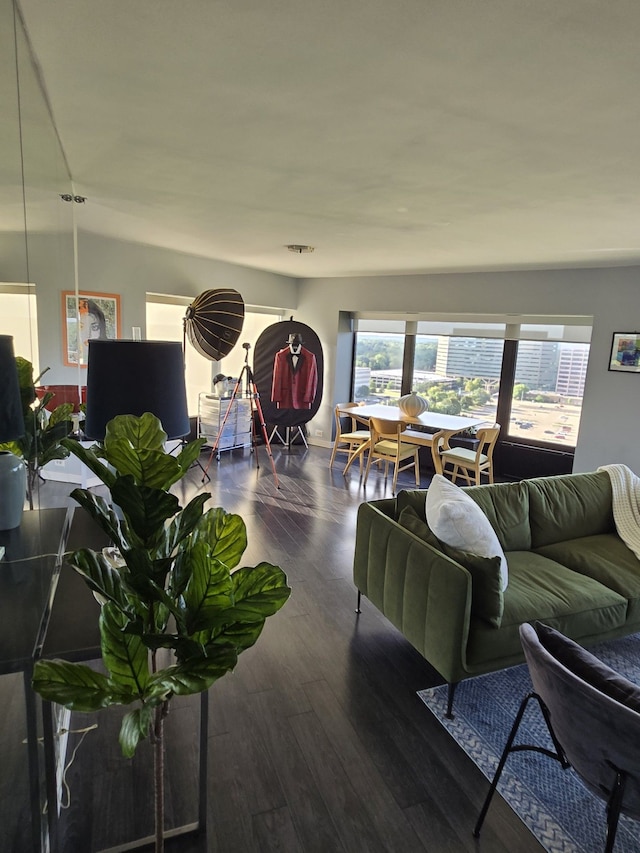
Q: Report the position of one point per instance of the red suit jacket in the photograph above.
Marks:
(294, 388)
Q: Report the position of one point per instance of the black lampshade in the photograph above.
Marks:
(134, 377)
(11, 420)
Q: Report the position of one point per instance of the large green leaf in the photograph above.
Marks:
(143, 432)
(146, 508)
(209, 589)
(186, 520)
(193, 675)
(102, 514)
(100, 575)
(259, 591)
(135, 726)
(76, 686)
(89, 456)
(125, 655)
(225, 532)
(241, 635)
(61, 414)
(153, 468)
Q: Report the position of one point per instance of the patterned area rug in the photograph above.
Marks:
(553, 803)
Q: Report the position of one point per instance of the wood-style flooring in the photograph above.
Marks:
(318, 741)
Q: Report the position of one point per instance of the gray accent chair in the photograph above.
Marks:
(593, 716)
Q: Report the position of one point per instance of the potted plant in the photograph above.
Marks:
(178, 589)
(43, 432)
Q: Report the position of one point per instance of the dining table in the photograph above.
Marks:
(433, 429)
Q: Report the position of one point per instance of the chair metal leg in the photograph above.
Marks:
(450, 694)
(558, 755)
(501, 763)
(614, 807)
(358, 602)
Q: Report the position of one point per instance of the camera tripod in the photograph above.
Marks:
(254, 397)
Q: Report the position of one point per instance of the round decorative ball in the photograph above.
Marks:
(412, 405)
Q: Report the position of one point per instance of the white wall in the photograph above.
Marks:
(611, 408)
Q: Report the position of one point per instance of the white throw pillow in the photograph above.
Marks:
(456, 519)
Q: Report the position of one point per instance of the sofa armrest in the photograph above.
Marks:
(426, 595)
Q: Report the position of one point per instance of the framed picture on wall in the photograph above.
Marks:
(85, 317)
(625, 352)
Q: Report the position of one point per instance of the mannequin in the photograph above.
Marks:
(295, 375)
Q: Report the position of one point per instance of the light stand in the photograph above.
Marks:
(254, 397)
(184, 441)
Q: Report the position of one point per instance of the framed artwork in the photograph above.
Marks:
(85, 317)
(625, 352)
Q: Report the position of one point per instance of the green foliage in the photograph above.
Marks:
(520, 391)
(41, 442)
(179, 589)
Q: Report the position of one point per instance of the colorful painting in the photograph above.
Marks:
(88, 316)
(625, 352)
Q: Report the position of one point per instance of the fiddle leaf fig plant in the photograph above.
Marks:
(178, 588)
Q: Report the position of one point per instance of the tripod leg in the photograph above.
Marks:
(214, 449)
(255, 399)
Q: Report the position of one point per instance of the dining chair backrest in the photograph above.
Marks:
(356, 433)
(387, 446)
(471, 464)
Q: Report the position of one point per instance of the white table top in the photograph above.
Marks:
(437, 421)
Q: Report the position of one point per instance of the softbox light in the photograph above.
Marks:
(134, 377)
(213, 322)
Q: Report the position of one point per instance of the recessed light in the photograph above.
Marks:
(301, 250)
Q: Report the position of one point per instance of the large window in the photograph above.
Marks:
(550, 373)
(460, 367)
(19, 318)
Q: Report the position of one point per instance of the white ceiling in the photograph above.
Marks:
(395, 136)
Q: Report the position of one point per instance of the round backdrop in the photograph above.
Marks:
(290, 393)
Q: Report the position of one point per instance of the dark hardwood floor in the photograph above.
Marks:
(317, 741)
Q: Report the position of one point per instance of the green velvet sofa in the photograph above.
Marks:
(567, 567)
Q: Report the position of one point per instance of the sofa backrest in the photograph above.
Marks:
(569, 506)
(506, 505)
(537, 512)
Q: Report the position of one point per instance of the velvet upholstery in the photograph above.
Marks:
(487, 600)
(585, 585)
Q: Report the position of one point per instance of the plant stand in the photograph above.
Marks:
(197, 827)
(72, 634)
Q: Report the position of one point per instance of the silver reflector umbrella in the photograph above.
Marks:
(213, 322)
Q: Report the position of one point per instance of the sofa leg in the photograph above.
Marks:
(450, 694)
(358, 602)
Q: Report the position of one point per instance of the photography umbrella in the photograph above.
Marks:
(213, 322)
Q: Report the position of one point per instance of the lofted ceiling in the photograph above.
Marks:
(394, 136)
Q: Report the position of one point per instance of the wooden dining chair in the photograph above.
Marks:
(388, 448)
(471, 464)
(355, 434)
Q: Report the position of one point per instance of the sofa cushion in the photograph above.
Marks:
(414, 498)
(410, 519)
(588, 667)
(569, 506)
(541, 589)
(506, 505)
(487, 601)
(458, 520)
(604, 558)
